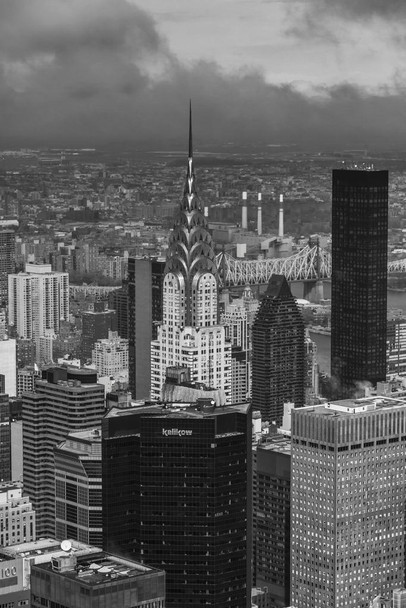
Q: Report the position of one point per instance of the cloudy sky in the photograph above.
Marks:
(92, 72)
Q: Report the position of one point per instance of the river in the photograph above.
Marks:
(396, 302)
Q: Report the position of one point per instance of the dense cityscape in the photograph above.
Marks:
(170, 433)
(202, 304)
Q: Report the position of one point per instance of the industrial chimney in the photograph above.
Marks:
(281, 229)
(244, 218)
(259, 219)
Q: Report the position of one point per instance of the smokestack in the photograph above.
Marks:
(259, 221)
(244, 220)
(281, 230)
(206, 212)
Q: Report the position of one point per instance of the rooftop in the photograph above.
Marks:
(43, 547)
(350, 407)
(179, 410)
(277, 443)
(99, 568)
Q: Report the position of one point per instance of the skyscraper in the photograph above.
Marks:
(278, 356)
(38, 299)
(190, 335)
(359, 278)
(7, 262)
(64, 400)
(96, 325)
(5, 438)
(78, 493)
(348, 493)
(177, 495)
(145, 280)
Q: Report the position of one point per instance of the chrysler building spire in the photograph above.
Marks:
(191, 258)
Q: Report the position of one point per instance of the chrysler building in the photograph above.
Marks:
(190, 334)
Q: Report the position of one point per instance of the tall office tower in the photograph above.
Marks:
(145, 283)
(348, 494)
(177, 495)
(96, 325)
(396, 353)
(190, 335)
(110, 356)
(78, 491)
(5, 439)
(359, 278)
(65, 400)
(118, 301)
(234, 320)
(271, 518)
(97, 579)
(7, 262)
(17, 517)
(38, 300)
(8, 365)
(278, 357)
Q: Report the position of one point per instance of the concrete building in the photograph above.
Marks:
(99, 579)
(8, 365)
(7, 262)
(16, 562)
(271, 518)
(38, 299)
(17, 517)
(78, 492)
(110, 356)
(359, 278)
(190, 335)
(348, 494)
(26, 380)
(65, 400)
(396, 354)
(5, 438)
(177, 495)
(96, 325)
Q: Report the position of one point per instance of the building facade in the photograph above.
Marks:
(271, 519)
(177, 495)
(78, 492)
(359, 278)
(145, 283)
(110, 356)
(65, 400)
(17, 517)
(396, 353)
(190, 335)
(38, 299)
(7, 262)
(96, 325)
(348, 494)
(278, 356)
(5, 439)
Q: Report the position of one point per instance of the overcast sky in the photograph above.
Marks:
(90, 72)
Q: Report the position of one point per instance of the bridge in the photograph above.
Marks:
(312, 263)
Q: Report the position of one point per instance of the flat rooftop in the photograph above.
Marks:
(350, 407)
(99, 568)
(277, 443)
(44, 547)
(177, 410)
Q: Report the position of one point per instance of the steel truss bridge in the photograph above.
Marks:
(312, 263)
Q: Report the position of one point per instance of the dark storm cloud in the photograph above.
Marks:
(388, 9)
(94, 72)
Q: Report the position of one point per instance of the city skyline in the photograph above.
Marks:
(299, 72)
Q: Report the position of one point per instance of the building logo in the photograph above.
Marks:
(176, 432)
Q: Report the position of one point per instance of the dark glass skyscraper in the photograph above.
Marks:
(359, 278)
(145, 279)
(7, 262)
(278, 355)
(177, 496)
